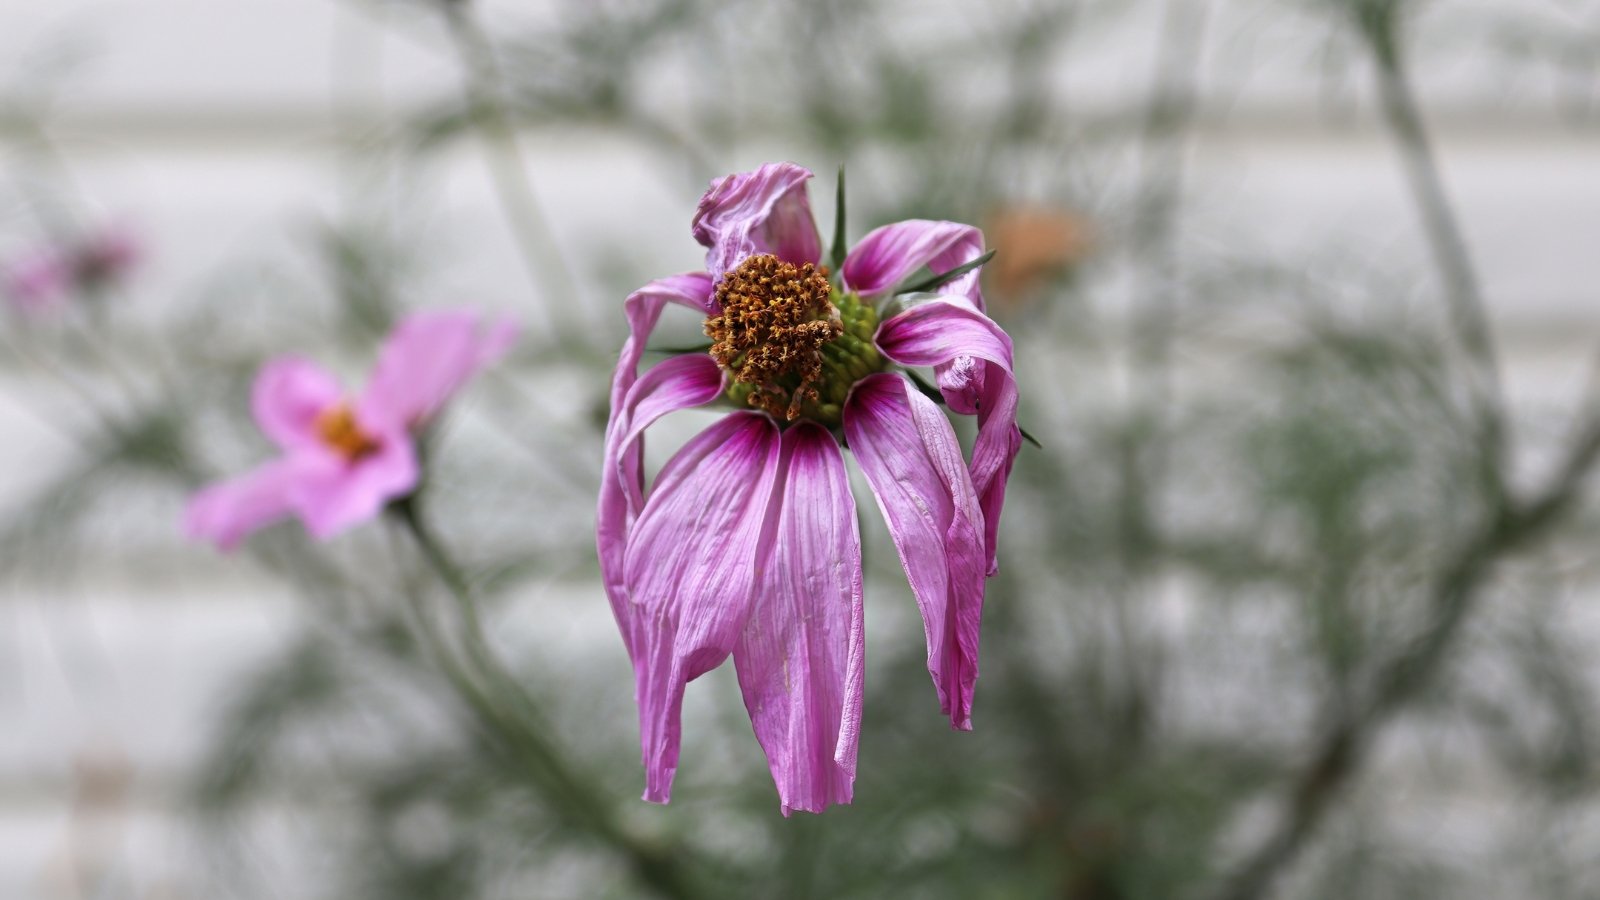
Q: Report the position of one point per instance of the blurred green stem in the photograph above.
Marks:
(510, 716)
(535, 240)
(1509, 525)
(1468, 311)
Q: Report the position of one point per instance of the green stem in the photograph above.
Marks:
(511, 716)
(535, 240)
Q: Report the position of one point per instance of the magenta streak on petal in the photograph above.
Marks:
(288, 396)
(39, 282)
(887, 255)
(764, 211)
(801, 655)
(911, 458)
(226, 512)
(690, 573)
(427, 359)
(972, 358)
(678, 383)
(622, 475)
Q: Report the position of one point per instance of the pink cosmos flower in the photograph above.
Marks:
(43, 279)
(343, 457)
(747, 543)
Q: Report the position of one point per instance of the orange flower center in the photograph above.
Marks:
(776, 318)
(338, 429)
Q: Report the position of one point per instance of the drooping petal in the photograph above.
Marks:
(912, 460)
(288, 396)
(623, 473)
(691, 573)
(801, 656)
(427, 358)
(333, 494)
(678, 383)
(888, 254)
(227, 512)
(971, 356)
(764, 211)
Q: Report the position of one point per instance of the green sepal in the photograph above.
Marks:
(836, 253)
(944, 278)
(674, 351)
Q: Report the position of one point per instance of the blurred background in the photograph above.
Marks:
(1297, 599)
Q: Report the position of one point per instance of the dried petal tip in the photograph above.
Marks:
(776, 318)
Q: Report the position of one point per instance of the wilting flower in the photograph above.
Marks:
(46, 276)
(747, 544)
(345, 457)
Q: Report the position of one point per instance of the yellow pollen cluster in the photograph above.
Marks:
(337, 427)
(776, 318)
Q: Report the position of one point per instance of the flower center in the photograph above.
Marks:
(337, 427)
(792, 343)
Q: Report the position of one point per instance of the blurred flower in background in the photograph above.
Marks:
(47, 277)
(345, 458)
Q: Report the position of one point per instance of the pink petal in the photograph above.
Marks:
(911, 458)
(288, 396)
(39, 282)
(226, 512)
(691, 570)
(801, 657)
(678, 383)
(427, 358)
(887, 255)
(334, 494)
(972, 358)
(624, 459)
(765, 211)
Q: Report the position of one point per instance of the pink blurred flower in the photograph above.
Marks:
(747, 543)
(343, 457)
(39, 281)
(47, 276)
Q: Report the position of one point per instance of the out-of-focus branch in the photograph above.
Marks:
(1168, 112)
(512, 719)
(535, 240)
(1378, 22)
(1510, 523)
(1454, 597)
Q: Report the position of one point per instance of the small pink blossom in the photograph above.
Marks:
(345, 457)
(46, 277)
(746, 545)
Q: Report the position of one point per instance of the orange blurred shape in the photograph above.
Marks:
(1033, 245)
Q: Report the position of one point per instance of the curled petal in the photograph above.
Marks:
(887, 255)
(690, 569)
(333, 494)
(288, 396)
(971, 356)
(677, 383)
(764, 211)
(912, 460)
(643, 309)
(801, 656)
(227, 512)
(427, 358)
